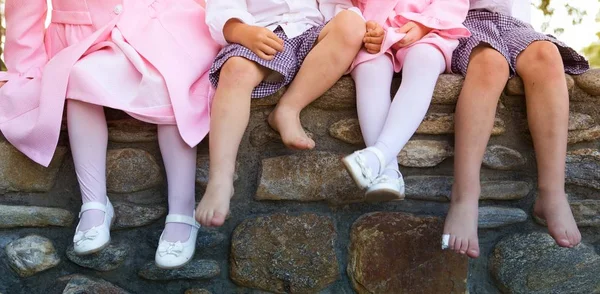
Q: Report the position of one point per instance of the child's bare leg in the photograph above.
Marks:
(337, 45)
(486, 77)
(229, 119)
(548, 115)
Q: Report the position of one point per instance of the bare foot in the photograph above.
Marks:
(556, 211)
(214, 206)
(461, 225)
(287, 123)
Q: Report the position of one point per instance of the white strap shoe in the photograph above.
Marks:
(98, 237)
(171, 255)
(356, 164)
(385, 188)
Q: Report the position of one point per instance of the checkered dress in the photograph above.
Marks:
(285, 65)
(510, 37)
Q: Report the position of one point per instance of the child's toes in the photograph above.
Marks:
(452, 242)
(473, 250)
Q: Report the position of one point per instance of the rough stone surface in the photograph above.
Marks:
(315, 176)
(19, 174)
(340, 96)
(443, 123)
(505, 190)
(131, 131)
(424, 153)
(400, 253)
(582, 168)
(495, 217)
(515, 87)
(347, 130)
(32, 216)
(197, 291)
(447, 89)
(133, 216)
(439, 188)
(580, 121)
(79, 284)
(588, 135)
(589, 82)
(110, 258)
(30, 255)
(270, 100)
(502, 158)
(194, 270)
(131, 170)
(533, 263)
(285, 254)
(202, 167)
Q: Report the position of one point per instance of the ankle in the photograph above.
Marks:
(466, 193)
(551, 192)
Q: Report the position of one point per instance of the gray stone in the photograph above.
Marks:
(133, 216)
(429, 188)
(515, 87)
(589, 82)
(79, 284)
(108, 259)
(495, 217)
(443, 123)
(582, 168)
(502, 158)
(392, 252)
(202, 168)
(588, 135)
(131, 131)
(285, 254)
(532, 263)
(447, 89)
(30, 255)
(580, 121)
(347, 130)
(268, 101)
(424, 153)
(439, 188)
(194, 270)
(341, 96)
(131, 170)
(504, 190)
(19, 174)
(197, 291)
(314, 176)
(33, 216)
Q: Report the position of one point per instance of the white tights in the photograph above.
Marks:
(88, 137)
(389, 125)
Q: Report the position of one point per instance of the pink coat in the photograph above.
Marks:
(170, 34)
(445, 17)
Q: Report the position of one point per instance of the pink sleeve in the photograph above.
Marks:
(24, 51)
(445, 16)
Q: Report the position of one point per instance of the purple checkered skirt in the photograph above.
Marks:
(286, 63)
(510, 37)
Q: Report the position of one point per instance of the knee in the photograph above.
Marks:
(490, 65)
(350, 27)
(541, 56)
(239, 71)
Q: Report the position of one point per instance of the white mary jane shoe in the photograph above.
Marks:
(96, 238)
(171, 255)
(385, 188)
(356, 164)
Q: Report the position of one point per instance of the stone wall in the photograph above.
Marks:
(298, 224)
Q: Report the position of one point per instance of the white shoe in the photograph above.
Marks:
(356, 164)
(171, 255)
(96, 238)
(385, 188)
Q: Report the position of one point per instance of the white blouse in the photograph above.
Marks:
(520, 9)
(294, 16)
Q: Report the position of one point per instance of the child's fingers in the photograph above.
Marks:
(372, 48)
(371, 25)
(263, 55)
(378, 32)
(274, 37)
(373, 40)
(274, 44)
(265, 48)
(405, 28)
(408, 39)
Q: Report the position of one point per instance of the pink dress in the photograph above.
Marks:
(149, 58)
(445, 17)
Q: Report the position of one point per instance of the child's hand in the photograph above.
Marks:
(414, 32)
(263, 42)
(374, 37)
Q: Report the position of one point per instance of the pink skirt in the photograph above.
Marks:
(103, 77)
